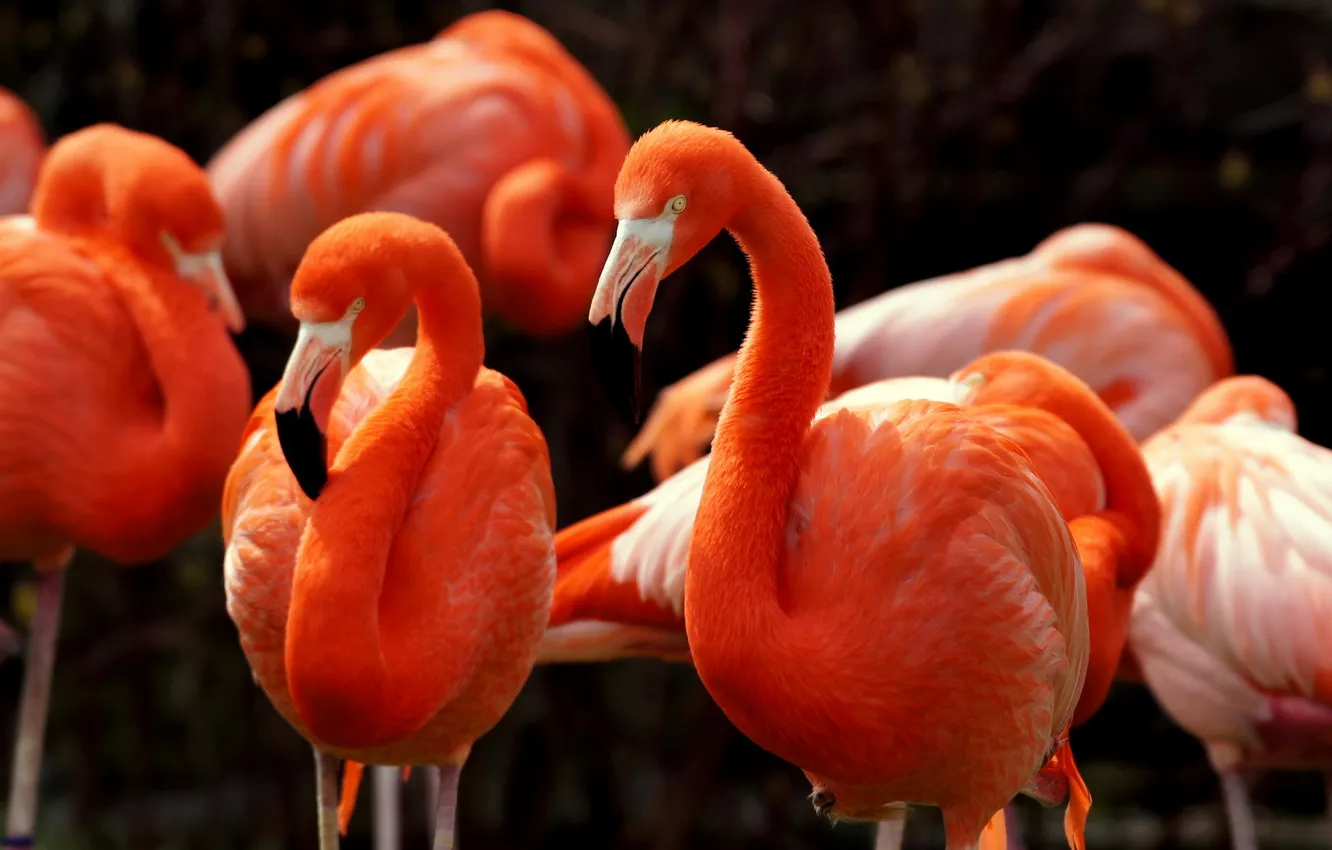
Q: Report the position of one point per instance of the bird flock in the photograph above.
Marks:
(906, 546)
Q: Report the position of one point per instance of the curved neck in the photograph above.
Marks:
(203, 382)
(782, 374)
(365, 630)
(551, 227)
(546, 233)
(1130, 499)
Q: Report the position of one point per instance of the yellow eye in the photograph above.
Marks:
(677, 204)
(358, 305)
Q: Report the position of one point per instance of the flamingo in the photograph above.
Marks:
(1092, 298)
(492, 130)
(621, 573)
(388, 520)
(122, 396)
(1231, 629)
(847, 573)
(22, 147)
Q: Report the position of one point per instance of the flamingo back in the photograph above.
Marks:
(485, 496)
(425, 130)
(1123, 339)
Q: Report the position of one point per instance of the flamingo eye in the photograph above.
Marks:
(678, 204)
(357, 306)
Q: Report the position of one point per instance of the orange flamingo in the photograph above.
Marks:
(1232, 627)
(390, 606)
(1092, 298)
(22, 147)
(620, 588)
(122, 396)
(491, 130)
(821, 548)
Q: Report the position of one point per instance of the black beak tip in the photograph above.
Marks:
(619, 362)
(304, 446)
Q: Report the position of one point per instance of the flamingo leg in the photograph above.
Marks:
(35, 702)
(326, 793)
(888, 834)
(432, 791)
(388, 807)
(446, 806)
(1243, 833)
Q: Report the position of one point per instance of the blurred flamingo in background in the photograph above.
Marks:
(1092, 298)
(1232, 628)
(22, 147)
(492, 130)
(122, 396)
(822, 546)
(390, 606)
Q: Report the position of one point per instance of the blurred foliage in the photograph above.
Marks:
(921, 137)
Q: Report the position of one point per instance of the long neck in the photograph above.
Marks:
(1130, 500)
(547, 231)
(203, 382)
(364, 655)
(782, 374)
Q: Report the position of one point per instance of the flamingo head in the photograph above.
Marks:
(146, 194)
(678, 188)
(351, 290)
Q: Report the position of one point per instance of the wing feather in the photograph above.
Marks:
(1245, 565)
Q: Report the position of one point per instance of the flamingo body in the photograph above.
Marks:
(117, 376)
(620, 591)
(491, 130)
(79, 395)
(1232, 626)
(489, 470)
(121, 394)
(389, 517)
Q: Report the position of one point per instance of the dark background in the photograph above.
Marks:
(920, 138)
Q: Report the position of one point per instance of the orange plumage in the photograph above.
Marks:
(394, 617)
(492, 130)
(121, 393)
(859, 579)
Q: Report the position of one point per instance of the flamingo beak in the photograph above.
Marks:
(309, 387)
(205, 271)
(623, 300)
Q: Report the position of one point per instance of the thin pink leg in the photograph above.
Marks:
(888, 833)
(1243, 833)
(27, 766)
(432, 791)
(326, 796)
(388, 806)
(446, 806)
